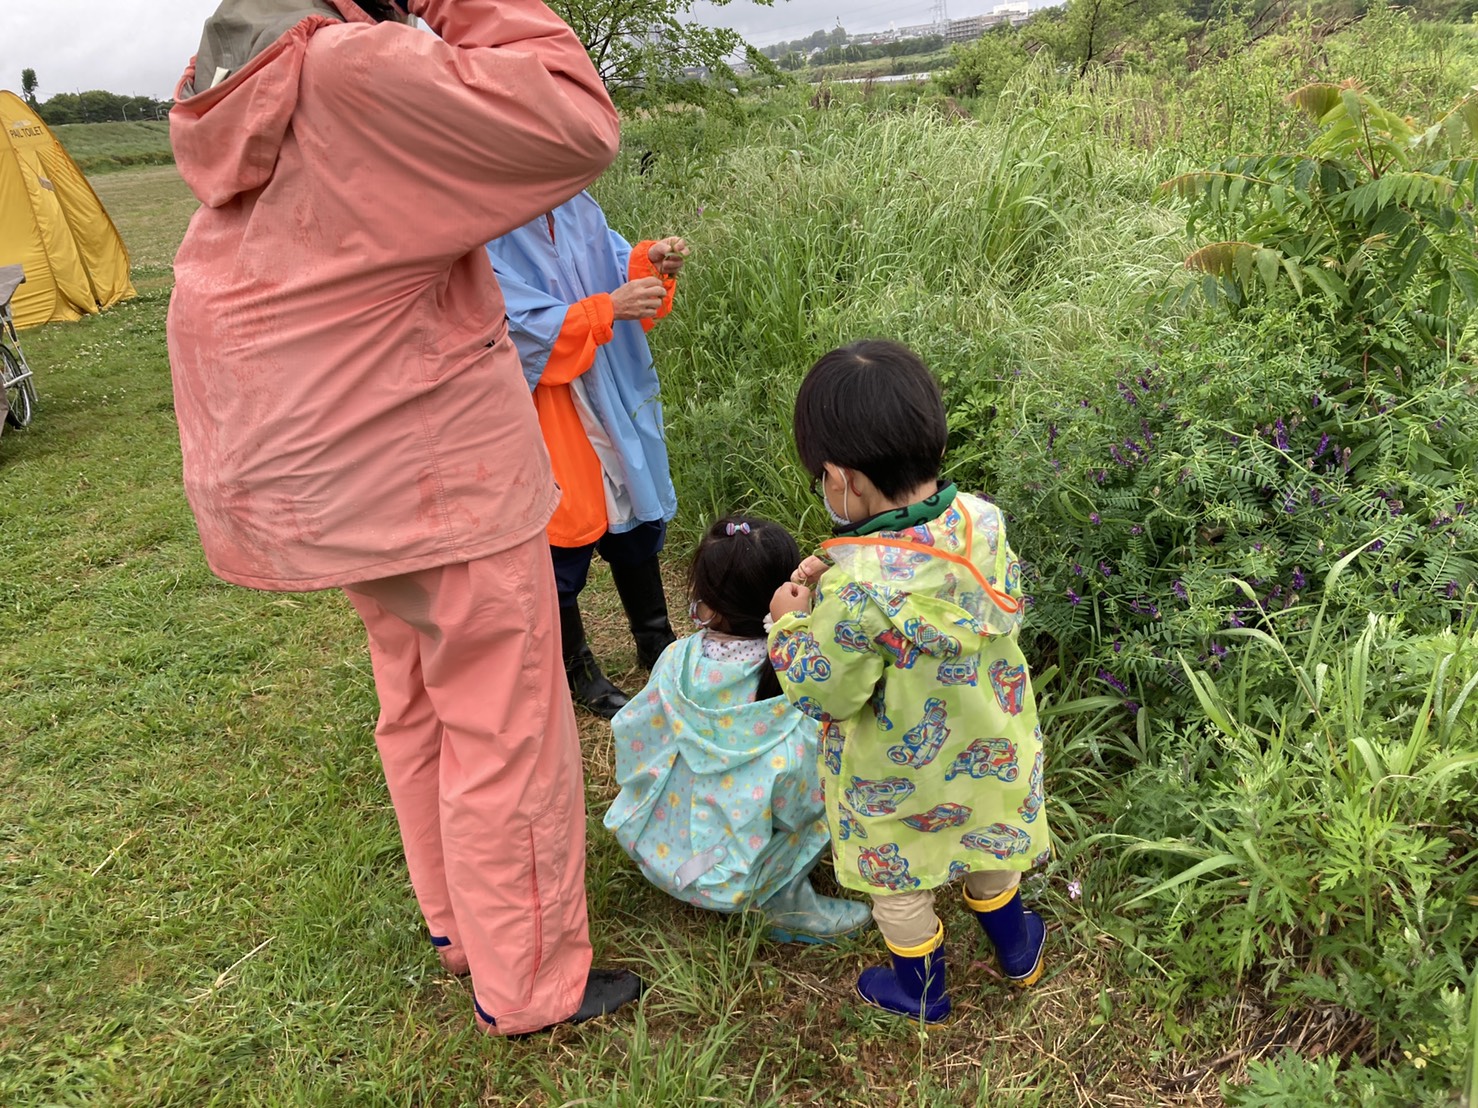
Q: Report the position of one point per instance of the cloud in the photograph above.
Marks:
(132, 47)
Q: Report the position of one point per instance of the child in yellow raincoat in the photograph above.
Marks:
(930, 748)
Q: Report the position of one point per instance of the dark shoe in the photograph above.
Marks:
(913, 986)
(589, 687)
(605, 991)
(1018, 935)
(645, 601)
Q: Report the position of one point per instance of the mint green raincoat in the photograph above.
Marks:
(930, 748)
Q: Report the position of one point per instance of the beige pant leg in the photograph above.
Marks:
(990, 883)
(907, 920)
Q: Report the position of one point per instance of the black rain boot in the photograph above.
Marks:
(640, 587)
(589, 687)
(606, 991)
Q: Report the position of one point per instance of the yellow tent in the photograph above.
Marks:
(53, 224)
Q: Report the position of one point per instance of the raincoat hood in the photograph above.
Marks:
(720, 725)
(946, 586)
(238, 94)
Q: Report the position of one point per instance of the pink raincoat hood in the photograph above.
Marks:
(350, 404)
(227, 132)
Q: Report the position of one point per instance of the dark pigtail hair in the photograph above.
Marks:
(739, 564)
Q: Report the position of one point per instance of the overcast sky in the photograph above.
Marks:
(140, 47)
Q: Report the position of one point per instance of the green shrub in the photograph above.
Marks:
(1322, 850)
(1372, 226)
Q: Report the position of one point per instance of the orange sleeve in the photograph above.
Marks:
(587, 326)
(641, 266)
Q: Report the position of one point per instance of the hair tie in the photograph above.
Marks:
(736, 529)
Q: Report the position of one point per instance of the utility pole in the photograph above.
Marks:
(941, 18)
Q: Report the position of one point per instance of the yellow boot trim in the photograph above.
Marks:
(928, 946)
(995, 903)
(1035, 975)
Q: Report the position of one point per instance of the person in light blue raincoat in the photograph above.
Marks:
(580, 300)
(720, 801)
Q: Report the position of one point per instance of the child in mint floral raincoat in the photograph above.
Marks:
(907, 656)
(720, 803)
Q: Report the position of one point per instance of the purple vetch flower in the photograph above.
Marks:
(1377, 546)
(1132, 706)
(1234, 621)
(1315, 399)
(1136, 530)
(1451, 590)
(1218, 649)
(1109, 679)
(1315, 497)
(1093, 519)
(1299, 580)
(1105, 569)
(1073, 598)
(1179, 590)
(1290, 503)
(1323, 444)
(1280, 434)
(1114, 453)
(1118, 646)
(1077, 569)
(1057, 465)
(1051, 434)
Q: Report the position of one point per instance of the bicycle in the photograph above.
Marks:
(15, 374)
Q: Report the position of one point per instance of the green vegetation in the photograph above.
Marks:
(104, 147)
(1263, 723)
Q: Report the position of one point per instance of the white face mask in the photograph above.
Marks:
(841, 520)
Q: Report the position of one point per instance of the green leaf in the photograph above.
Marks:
(1215, 862)
(1268, 265)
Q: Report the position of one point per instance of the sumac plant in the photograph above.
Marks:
(1371, 226)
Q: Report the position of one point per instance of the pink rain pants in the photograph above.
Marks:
(482, 757)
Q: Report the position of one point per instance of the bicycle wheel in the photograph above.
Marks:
(20, 395)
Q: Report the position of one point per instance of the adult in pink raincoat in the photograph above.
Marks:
(346, 422)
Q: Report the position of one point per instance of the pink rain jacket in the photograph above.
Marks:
(350, 404)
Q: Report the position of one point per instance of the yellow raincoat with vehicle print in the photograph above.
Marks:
(931, 754)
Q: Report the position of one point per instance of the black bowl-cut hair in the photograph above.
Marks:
(872, 406)
(381, 11)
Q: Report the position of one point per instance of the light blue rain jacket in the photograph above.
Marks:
(720, 801)
(617, 397)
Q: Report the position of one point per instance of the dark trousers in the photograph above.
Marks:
(629, 548)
